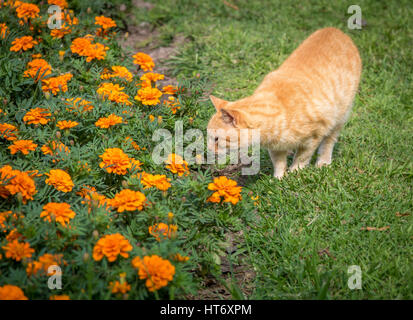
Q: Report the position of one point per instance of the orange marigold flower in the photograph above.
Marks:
(173, 104)
(96, 51)
(78, 103)
(60, 297)
(176, 164)
(3, 217)
(8, 131)
(85, 190)
(61, 3)
(151, 76)
(23, 146)
(136, 164)
(24, 43)
(111, 246)
(60, 180)
(164, 230)
(105, 22)
(144, 61)
(119, 72)
(179, 258)
(119, 287)
(109, 121)
(37, 69)
(133, 143)
(14, 182)
(43, 264)
(62, 125)
(37, 116)
(93, 198)
(6, 173)
(144, 84)
(55, 149)
(85, 48)
(61, 32)
(159, 181)
(10, 292)
(128, 200)
(148, 96)
(59, 212)
(170, 89)
(214, 198)
(34, 173)
(226, 188)
(81, 45)
(157, 271)
(18, 250)
(56, 84)
(14, 235)
(27, 11)
(3, 30)
(114, 160)
(113, 92)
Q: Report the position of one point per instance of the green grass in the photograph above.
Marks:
(229, 52)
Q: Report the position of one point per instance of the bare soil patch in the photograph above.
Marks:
(143, 37)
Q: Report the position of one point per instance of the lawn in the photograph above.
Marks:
(310, 227)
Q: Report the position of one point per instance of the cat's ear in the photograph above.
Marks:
(217, 102)
(234, 117)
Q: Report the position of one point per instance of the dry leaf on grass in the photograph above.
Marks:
(326, 251)
(231, 5)
(398, 214)
(376, 229)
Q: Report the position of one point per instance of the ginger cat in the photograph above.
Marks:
(300, 106)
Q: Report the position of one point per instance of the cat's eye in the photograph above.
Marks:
(216, 139)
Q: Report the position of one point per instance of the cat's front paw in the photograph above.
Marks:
(279, 175)
(322, 162)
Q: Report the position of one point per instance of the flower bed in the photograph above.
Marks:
(78, 186)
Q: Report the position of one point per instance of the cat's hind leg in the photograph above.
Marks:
(325, 151)
(304, 153)
(279, 161)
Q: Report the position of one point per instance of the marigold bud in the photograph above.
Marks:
(95, 234)
(58, 134)
(86, 256)
(61, 55)
(20, 197)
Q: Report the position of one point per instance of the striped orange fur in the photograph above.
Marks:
(302, 105)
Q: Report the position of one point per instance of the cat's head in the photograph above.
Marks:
(230, 118)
